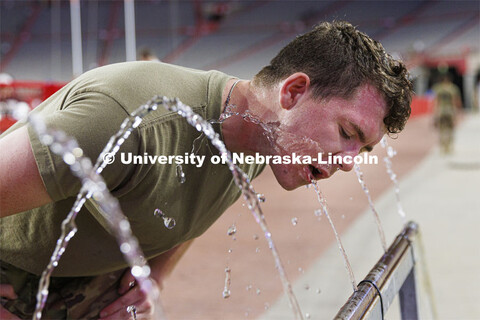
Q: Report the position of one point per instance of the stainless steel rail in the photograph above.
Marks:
(393, 274)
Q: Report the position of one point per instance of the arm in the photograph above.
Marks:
(161, 266)
(6, 291)
(21, 186)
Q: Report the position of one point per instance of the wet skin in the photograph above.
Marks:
(337, 126)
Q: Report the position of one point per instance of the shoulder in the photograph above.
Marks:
(135, 83)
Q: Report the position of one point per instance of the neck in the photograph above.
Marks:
(246, 135)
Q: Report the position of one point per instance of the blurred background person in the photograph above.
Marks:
(146, 54)
(447, 104)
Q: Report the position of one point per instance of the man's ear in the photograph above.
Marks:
(293, 88)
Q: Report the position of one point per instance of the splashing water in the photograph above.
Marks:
(388, 163)
(323, 204)
(226, 289)
(133, 311)
(261, 197)
(95, 188)
(169, 222)
(180, 174)
(232, 230)
(247, 116)
(294, 221)
(17, 110)
(361, 180)
(241, 180)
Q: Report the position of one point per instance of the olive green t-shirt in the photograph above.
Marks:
(91, 109)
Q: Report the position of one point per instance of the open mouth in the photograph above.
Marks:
(316, 174)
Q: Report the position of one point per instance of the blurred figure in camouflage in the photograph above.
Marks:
(447, 104)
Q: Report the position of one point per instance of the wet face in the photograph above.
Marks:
(337, 127)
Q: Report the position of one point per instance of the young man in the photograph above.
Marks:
(332, 90)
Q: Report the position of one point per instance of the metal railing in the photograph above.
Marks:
(393, 274)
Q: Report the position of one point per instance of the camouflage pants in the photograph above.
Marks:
(446, 125)
(69, 298)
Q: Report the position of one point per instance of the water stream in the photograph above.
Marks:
(242, 181)
(361, 180)
(388, 163)
(323, 205)
(93, 187)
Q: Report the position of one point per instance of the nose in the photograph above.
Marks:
(347, 160)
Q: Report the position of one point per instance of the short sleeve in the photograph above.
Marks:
(91, 118)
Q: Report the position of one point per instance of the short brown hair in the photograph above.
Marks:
(338, 59)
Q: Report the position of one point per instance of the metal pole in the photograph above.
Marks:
(76, 26)
(55, 41)
(130, 42)
(387, 275)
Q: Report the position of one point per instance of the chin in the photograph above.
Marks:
(290, 185)
(288, 179)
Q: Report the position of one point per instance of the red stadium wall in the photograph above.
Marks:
(31, 92)
(421, 105)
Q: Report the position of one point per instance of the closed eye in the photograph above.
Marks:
(344, 134)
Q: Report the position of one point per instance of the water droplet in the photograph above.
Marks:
(266, 306)
(97, 196)
(343, 216)
(180, 174)
(255, 237)
(136, 271)
(69, 158)
(391, 152)
(170, 223)
(318, 212)
(307, 287)
(136, 122)
(146, 271)
(307, 315)
(258, 291)
(249, 287)
(294, 221)
(232, 230)
(318, 291)
(301, 270)
(124, 225)
(125, 247)
(383, 142)
(226, 294)
(261, 197)
(230, 250)
(56, 147)
(226, 289)
(158, 213)
(77, 152)
(257, 250)
(47, 139)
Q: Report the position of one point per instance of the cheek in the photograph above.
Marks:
(300, 144)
